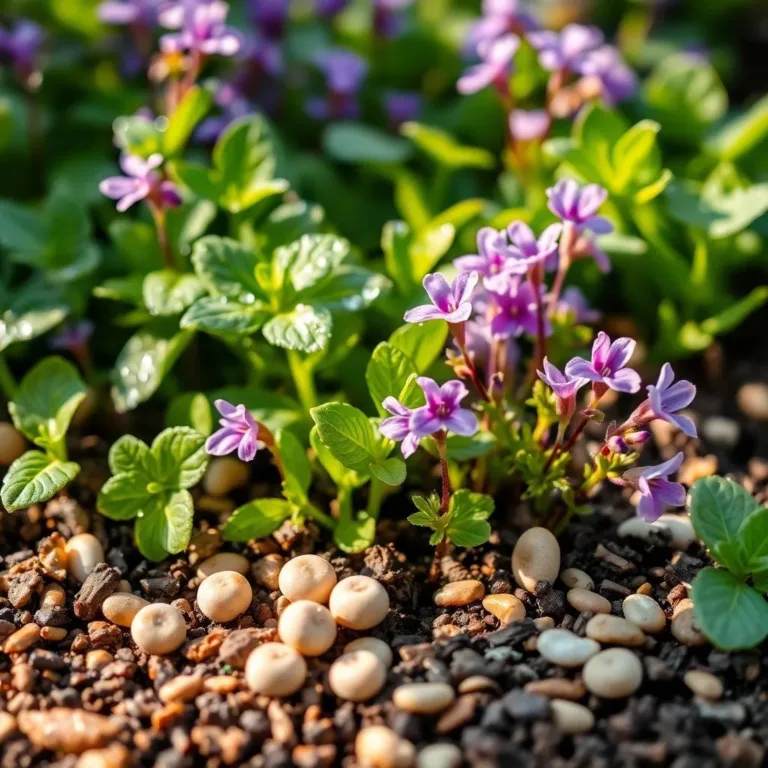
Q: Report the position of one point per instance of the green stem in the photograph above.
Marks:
(7, 380)
(374, 498)
(302, 379)
(319, 517)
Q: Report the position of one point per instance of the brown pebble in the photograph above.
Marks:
(181, 688)
(72, 731)
(113, 756)
(458, 593)
(7, 726)
(121, 607)
(478, 684)
(704, 684)
(615, 561)
(53, 596)
(221, 684)
(613, 629)
(266, 571)
(53, 634)
(536, 557)
(646, 588)
(557, 688)
(684, 626)
(584, 600)
(98, 659)
(506, 608)
(22, 639)
(543, 623)
(161, 719)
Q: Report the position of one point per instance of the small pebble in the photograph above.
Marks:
(614, 630)
(53, 596)
(224, 596)
(564, 648)
(458, 593)
(266, 572)
(613, 674)
(121, 607)
(307, 627)
(557, 688)
(380, 747)
(440, 756)
(377, 647)
(575, 578)
(721, 430)
(645, 612)
(423, 698)
(275, 669)
(506, 608)
(678, 529)
(22, 639)
(359, 602)
(181, 688)
(124, 586)
(684, 626)
(98, 659)
(223, 561)
(543, 623)
(12, 444)
(571, 717)
(536, 557)
(223, 475)
(704, 684)
(158, 629)
(84, 553)
(307, 577)
(357, 676)
(584, 600)
(752, 398)
(478, 684)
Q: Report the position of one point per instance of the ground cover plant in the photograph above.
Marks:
(444, 315)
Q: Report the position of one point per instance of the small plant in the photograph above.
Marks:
(151, 484)
(730, 601)
(42, 409)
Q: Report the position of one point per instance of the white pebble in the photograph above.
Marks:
(423, 698)
(223, 561)
(536, 557)
(84, 553)
(440, 756)
(574, 578)
(613, 674)
(357, 676)
(359, 602)
(571, 717)
(614, 630)
(377, 647)
(566, 649)
(224, 596)
(678, 529)
(223, 475)
(645, 612)
(307, 577)
(275, 669)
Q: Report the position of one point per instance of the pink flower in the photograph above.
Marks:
(451, 303)
(607, 366)
(239, 432)
(398, 427)
(142, 180)
(657, 492)
(442, 410)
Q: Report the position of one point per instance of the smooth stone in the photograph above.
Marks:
(704, 684)
(12, 444)
(275, 669)
(357, 676)
(377, 647)
(223, 475)
(613, 629)
(84, 553)
(752, 398)
(307, 627)
(644, 612)
(678, 528)
(423, 698)
(557, 688)
(721, 430)
(564, 648)
(536, 557)
(478, 684)
(158, 629)
(458, 593)
(684, 626)
(440, 756)
(575, 578)
(380, 747)
(570, 717)
(223, 561)
(359, 602)
(506, 608)
(224, 596)
(613, 674)
(307, 577)
(121, 607)
(584, 600)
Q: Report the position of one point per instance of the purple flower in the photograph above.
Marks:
(618, 81)
(606, 369)
(565, 388)
(270, 16)
(667, 398)
(398, 427)
(492, 257)
(451, 303)
(628, 442)
(142, 181)
(402, 106)
(344, 73)
(500, 17)
(202, 28)
(529, 125)
(495, 67)
(386, 16)
(515, 301)
(238, 432)
(442, 410)
(656, 491)
(72, 336)
(142, 13)
(574, 303)
(20, 45)
(566, 49)
(527, 250)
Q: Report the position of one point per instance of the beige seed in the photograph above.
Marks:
(613, 629)
(571, 717)
(98, 659)
(357, 676)
(307, 627)
(645, 612)
(704, 684)
(22, 639)
(684, 625)
(576, 578)
(536, 557)
(380, 747)
(53, 634)
(223, 475)
(274, 669)
(423, 698)
(181, 688)
(158, 629)
(307, 577)
(359, 602)
(84, 553)
(584, 600)
(440, 756)
(506, 608)
(53, 596)
(223, 561)
(121, 607)
(377, 647)
(613, 674)
(12, 444)
(224, 596)
(459, 593)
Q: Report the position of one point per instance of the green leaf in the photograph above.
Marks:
(298, 473)
(459, 214)
(742, 133)
(655, 188)
(738, 210)
(198, 179)
(166, 527)
(226, 268)
(34, 478)
(753, 535)
(634, 149)
(390, 471)
(719, 507)
(177, 458)
(306, 328)
(310, 259)
(731, 614)
(190, 409)
(468, 514)
(355, 534)
(421, 342)
(125, 495)
(428, 515)
(184, 119)
(27, 311)
(410, 198)
(444, 149)
(731, 317)
(143, 363)
(358, 143)
(46, 401)
(428, 247)
(21, 229)
(396, 239)
(137, 135)
(128, 454)
(348, 435)
(462, 448)
(341, 476)
(221, 316)
(597, 131)
(387, 374)
(257, 519)
(170, 293)
(349, 289)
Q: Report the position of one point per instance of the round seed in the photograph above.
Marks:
(275, 669)
(224, 596)
(121, 608)
(307, 627)
(357, 676)
(223, 561)
(84, 553)
(158, 629)
(380, 747)
(377, 647)
(307, 577)
(359, 602)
